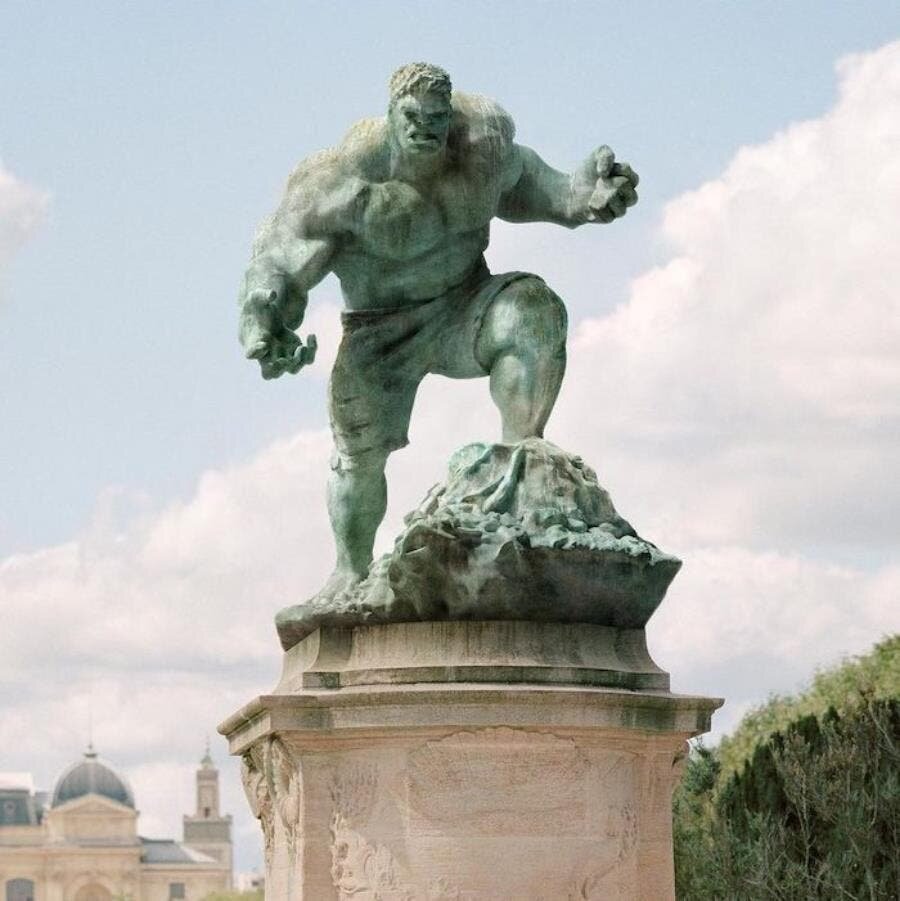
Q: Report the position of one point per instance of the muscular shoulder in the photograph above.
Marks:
(324, 186)
(481, 131)
(359, 152)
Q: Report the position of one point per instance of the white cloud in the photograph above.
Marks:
(22, 209)
(745, 400)
(750, 387)
(741, 405)
(742, 624)
(194, 585)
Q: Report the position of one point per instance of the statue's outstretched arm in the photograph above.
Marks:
(273, 297)
(600, 190)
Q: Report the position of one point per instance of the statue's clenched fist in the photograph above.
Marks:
(603, 189)
(265, 336)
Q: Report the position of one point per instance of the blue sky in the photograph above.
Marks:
(733, 337)
(163, 132)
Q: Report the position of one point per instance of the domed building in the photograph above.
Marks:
(80, 842)
(91, 776)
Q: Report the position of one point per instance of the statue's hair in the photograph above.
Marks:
(419, 78)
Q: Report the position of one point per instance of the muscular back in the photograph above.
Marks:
(398, 241)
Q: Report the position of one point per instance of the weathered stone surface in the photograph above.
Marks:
(516, 532)
(495, 652)
(444, 792)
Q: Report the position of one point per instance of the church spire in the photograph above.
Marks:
(209, 831)
(207, 787)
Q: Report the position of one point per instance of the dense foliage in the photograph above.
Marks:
(810, 807)
(875, 676)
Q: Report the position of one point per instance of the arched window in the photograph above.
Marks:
(92, 892)
(20, 890)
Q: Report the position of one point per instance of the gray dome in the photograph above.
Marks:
(92, 776)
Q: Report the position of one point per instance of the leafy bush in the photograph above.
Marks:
(874, 676)
(813, 811)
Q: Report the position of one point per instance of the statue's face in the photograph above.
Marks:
(420, 122)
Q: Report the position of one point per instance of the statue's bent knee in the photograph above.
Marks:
(369, 461)
(536, 312)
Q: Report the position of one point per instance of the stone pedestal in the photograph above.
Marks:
(467, 761)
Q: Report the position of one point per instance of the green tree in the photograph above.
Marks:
(812, 810)
(873, 676)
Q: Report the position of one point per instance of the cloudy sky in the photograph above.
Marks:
(735, 352)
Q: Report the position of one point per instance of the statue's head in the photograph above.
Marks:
(419, 110)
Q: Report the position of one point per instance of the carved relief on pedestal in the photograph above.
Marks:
(253, 777)
(361, 868)
(272, 784)
(358, 866)
(517, 783)
(609, 874)
(589, 888)
(286, 788)
(352, 789)
(439, 889)
(458, 784)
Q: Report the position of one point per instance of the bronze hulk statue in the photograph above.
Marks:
(400, 211)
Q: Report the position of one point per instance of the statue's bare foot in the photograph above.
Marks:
(297, 621)
(339, 582)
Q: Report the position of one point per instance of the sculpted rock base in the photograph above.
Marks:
(479, 719)
(516, 532)
(466, 761)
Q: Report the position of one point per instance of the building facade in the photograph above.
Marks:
(81, 842)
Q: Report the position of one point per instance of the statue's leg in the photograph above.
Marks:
(370, 399)
(357, 500)
(522, 344)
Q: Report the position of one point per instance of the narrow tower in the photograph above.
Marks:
(207, 831)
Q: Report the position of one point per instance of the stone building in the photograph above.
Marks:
(80, 842)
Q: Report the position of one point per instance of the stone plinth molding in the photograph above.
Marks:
(542, 781)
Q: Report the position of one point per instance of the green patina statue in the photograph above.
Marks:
(400, 211)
